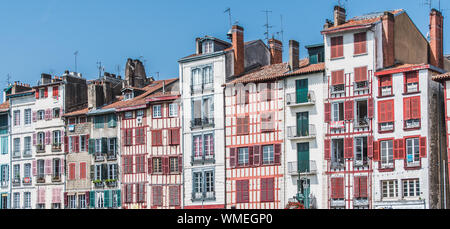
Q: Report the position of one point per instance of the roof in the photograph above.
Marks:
(140, 100)
(362, 21)
(22, 93)
(276, 71)
(225, 50)
(442, 77)
(4, 106)
(406, 68)
(78, 112)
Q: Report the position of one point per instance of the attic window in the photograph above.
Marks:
(128, 95)
(207, 46)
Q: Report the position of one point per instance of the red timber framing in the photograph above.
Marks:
(447, 119)
(348, 130)
(255, 184)
(133, 158)
(164, 159)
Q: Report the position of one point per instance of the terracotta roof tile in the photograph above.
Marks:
(4, 106)
(442, 77)
(78, 112)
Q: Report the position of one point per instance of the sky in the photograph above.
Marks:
(42, 36)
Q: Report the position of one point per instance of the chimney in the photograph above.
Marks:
(436, 39)
(276, 51)
(198, 46)
(293, 55)
(46, 78)
(328, 24)
(339, 15)
(388, 22)
(238, 47)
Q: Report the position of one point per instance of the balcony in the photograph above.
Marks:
(302, 168)
(338, 164)
(111, 183)
(111, 157)
(40, 148)
(4, 184)
(199, 196)
(202, 123)
(361, 122)
(363, 85)
(56, 147)
(292, 101)
(40, 180)
(202, 159)
(16, 181)
(412, 124)
(56, 179)
(27, 153)
(26, 181)
(295, 133)
(99, 158)
(98, 183)
(200, 88)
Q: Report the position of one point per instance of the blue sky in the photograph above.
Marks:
(42, 36)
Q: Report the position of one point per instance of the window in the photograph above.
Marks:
(337, 112)
(337, 48)
(56, 168)
(82, 201)
(243, 156)
(83, 170)
(208, 190)
(203, 147)
(360, 187)
(242, 95)
(40, 115)
(385, 85)
(198, 147)
(197, 191)
(140, 192)
(412, 151)
(337, 81)
(40, 141)
(267, 122)
(360, 151)
(267, 189)
(4, 145)
(83, 141)
(209, 146)
(72, 171)
(173, 110)
(360, 46)
(27, 200)
(411, 82)
(40, 169)
(362, 118)
(55, 91)
(140, 164)
(265, 91)
(72, 201)
(387, 154)
(27, 170)
(243, 122)
(16, 118)
(100, 201)
(140, 136)
(242, 191)
(157, 111)
(174, 195)
(98, 146)
(207, 77)
(386, 115)
(112, 121)
(337, 188)
(157, 138)
(27, 146)
(42, 92)
(128, 115)
(16, 201)
(411, 112)
(207, 46)
(99, 122)
(27, 116)
(56, 113)
(128, 164)
(173, 164)
(268, 154)
(128, 96)
(157, 165)
(411, 188)
(140, 113)
(337, 156)
(112, 144)
(57, 139)
(157, 196)
(361, 78)
(209, 184)
(202, 112)
(128, 137)
(16, 149)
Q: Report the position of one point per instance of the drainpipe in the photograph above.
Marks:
(284, 138)
(225, 148)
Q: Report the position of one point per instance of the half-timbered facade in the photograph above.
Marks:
(5, 155)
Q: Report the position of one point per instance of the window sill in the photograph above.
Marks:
(337, 58)
(385, 96)
(360, 54)
(385, 170)
(411, 93)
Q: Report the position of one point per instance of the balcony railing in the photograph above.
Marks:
(200, 88)
(295, 133)
(4, 184)
(56, 147)
(362, 122)
(202, 159)
(302, 167)
(291, 99)
(99, 158)
(197, 196)
(361, 85)
(40, 179)
(16, 182)
(111, 157)
(202, 122)
(338, 164)
(56, 178)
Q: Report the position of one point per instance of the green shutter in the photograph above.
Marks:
(92, 172)
(119, 202)
(303, 157)
(112, 120)
(92, 199)
(301, 87)
(303, 124)
(107, 198)
(91, 146)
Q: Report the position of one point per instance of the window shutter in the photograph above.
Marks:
(363, 187)
(348, 148)
(180, 164)
(361, 74)
(238, 125)
(66, 144)
(91, 146)
(47, 137)
(34, 139)
(349, 110)
(48, 167)
(34, 116)
(233, 157)
(46, 92)
(104, 146)
(92, 199)
(390, 111)
(401, 149)
(341, 191)
(376, 151)
(327, 149)
(87, 143)
(396, 150)
(92, 172)
(250, 156)
(150, 171)
(87, 197)
(356, 187)
(77, 144)
(166, 165)
(370, 108)
(119, 198)
(277, 154)
(327, 112)
(104, 171)
(34, 168)
(370, 146)
(106, 196)
(337, 78)
(415, 107)
(423, 146)
(406, 109)
(256, 155)
(55, 91)
(37, 93)
(65, 200)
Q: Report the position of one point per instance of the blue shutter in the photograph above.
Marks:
(119, 201)
(92, 199)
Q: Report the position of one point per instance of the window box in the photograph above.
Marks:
(111, 182)
(27, 181)
(386, 127)
(98, 183)
(40, 148)
(56, 179)
(56, 147)
(99, 158)
(16, 181)
(40, 180)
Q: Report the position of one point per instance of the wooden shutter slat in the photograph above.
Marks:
(423, 147)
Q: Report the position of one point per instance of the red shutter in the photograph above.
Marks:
(390, 111)
(77, 143)
(327, 112)
(341, 191)
(406, 109)
(370, 109)
(55, 91)
(401, 149)
(239, 125)
(356, 187)
(423, 147)
(150, 171)
(395, 150)
(327, 149)
(65, 199)
(415, 107)
(46, 92)
(376, 151)
(180, 164)
(348, 153)
(34, 168)
(87, 143)
(337, 78)
(348, 110)
(333, 47)
(37, 93)
(363, 187)
(166, 164)
(361, 74)
(250, 156)
(256, 155)
(370, 146)
(66, 144)
(233, 157)
(277, 155)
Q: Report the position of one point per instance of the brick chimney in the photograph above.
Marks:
(293, 55)
(436, 39)
(198, 46)
(237, 38)
(339, 15)
(388, 22)
(276, 51)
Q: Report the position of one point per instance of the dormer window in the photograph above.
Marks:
(128, 96)
(207, 46)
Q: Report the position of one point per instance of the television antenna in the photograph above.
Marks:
(267, 25)
(342, 3)
(75, 54)
(281, 31)
(118, 69)
(8, 79)
(228, 10)
(100, 68)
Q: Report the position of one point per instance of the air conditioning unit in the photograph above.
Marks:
(139, 120)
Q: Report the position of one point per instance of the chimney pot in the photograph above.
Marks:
(339, 15)
(276, 51)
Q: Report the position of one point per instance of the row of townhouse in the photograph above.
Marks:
(357, 124)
